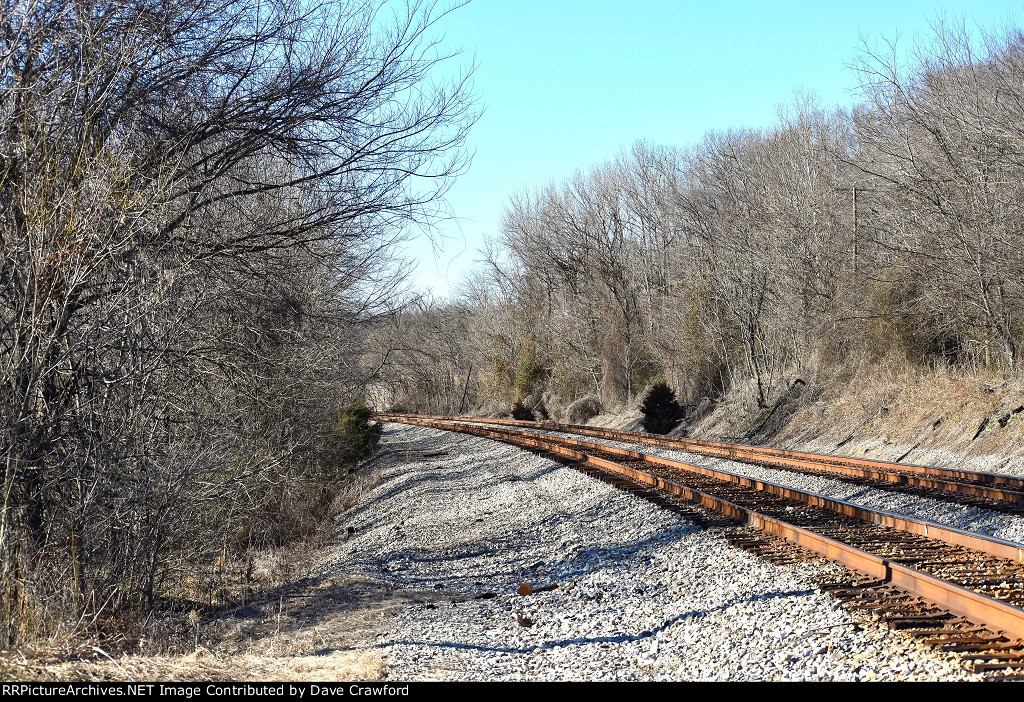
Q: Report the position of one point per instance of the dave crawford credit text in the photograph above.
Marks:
(210, 689)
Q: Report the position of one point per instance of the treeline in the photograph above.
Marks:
(891, 231)
(198, 203)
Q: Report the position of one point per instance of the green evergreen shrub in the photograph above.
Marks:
(660, 409)
(522, 412)
(355, 436)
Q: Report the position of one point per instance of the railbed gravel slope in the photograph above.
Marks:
(982, 521)
(642, 594)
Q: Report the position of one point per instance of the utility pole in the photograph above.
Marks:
(854, 231)
(465, 389)
(854, 190)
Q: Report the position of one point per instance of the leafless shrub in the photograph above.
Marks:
(197, 207)
(583, 410)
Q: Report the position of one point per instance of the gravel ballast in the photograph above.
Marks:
(639, 592)
(960, 516)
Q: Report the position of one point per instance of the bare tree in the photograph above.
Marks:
(940, 143)
(197, 205)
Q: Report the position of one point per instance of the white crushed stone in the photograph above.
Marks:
(642, 593)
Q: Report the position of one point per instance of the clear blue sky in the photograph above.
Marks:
(568, 83)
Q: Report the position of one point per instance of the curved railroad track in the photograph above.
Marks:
(992, 491)
(956, 590)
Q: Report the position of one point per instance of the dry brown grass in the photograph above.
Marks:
(887, 410)
(316, 629)
(201, 665)
(266, 618)
(890, 410)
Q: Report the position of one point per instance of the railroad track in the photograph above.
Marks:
(992, 491)
(953, 589)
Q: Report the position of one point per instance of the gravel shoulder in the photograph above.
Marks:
(457, 523)
(420, 582)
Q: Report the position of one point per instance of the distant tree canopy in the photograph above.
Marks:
(889, 231)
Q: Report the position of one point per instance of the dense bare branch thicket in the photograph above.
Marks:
(197, 206)
(942, 146)
(757, 258)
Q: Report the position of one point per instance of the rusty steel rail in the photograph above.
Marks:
(1007, 489)
(993, 546)
(975, 606)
